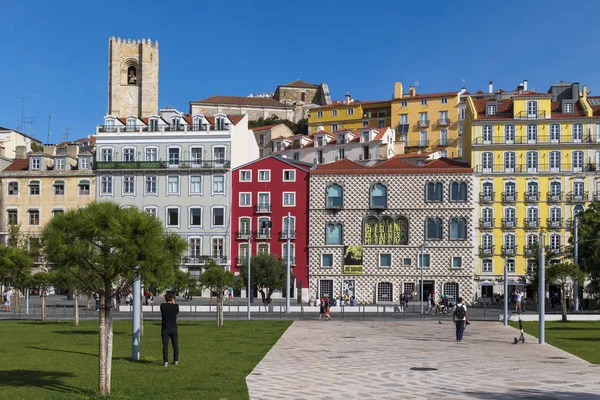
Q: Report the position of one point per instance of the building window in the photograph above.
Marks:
(335, 196)
(423, 102)
(219, 155)
(195, 248)
(458, 191)
(196, 155)
(319, 114)
(510, 265)
(173, 156)
(532, 158)
(106, 185)
(84, 188)
(129, 154)
(568, 107)
(151, 184)
(381, 123)
(486, 265)
(289, 175)
(289, 199)
(218, 249)
(59, 188)
(509, 133)
(13, 188)
(577, 133)
(264, 176)
(195, 216)
(152, 211)
(458, 229)
(327, 260)
(173, 184)
(379, 196)
(487, 133)
(152, 154)
(433, 229)
(491, 109)
(34, 188)
(385, 231)
(424, 260)
(60, 164)
(128, 184)
(107, 155)
(288, 253)
(532, 109)
(456, 262)
(12, 216)
(57, 211)
(532, 133)
(334, 113)
(435, 191)
(350, 111)
(245, 199)
(334, 127)
(218, 216)
(153, 125)
(172, 217)
(34, 217)
(334, 234)
(555, 133)
(245, 175)
(296, 156)
(385, 260)
(36, 163)
(444, 100)
(219, 184)
(85, 163)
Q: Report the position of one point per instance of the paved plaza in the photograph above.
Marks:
(318, 360)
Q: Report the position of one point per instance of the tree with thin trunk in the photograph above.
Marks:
(103, 245)
(15, 268)
(63, 278)
(563, 275)
(268, 273)
(217, 280)
(43, 280)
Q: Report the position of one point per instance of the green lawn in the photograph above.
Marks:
(580, 338)
(57, 360)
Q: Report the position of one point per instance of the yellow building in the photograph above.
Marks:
(535, 157)
(39, 186)
(349, 114)
(429, 122)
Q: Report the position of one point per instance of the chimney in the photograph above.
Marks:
(347, 98)
(584, 92)
(21, 152)
(498, 96)
(525, 84)
(520, 88)
(398, 90)
(50, 149)
(491, 87)
(73, 150)
(412, 92)
(575, 91)
(463, 89)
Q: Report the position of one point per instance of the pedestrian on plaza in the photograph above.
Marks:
(327, 307)
(318, 302)
(230, 294)
(346, 298)
(151, 298)
(7, 296)
(168, 312)
(96, 301)
(311, 301)
(460, 317)
(518, 298)
(321, 308)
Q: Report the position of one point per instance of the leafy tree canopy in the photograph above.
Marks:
(267, 272)
(589, 246)
(300, 127)
(15, 265)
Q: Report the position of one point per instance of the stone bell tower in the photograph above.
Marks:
(132, 77)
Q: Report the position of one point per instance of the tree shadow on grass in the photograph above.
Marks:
(49, 380)
(91, 332)
(585, 339)
(62, 351)
(571, 328)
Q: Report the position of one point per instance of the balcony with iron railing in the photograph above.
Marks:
(596, 196)
(554, 251)
(292, 260)
(509, 251)
(531, 223)
(554, 223)
(197, 259)
(423, 123)
(443, 122)
(532, 169)
(531, 197)
(486, 223)
(263, 234)
(509, 197)
(283, 235)
(554, 197)
(417, 143)
(443, 142)
(509, 223)
(179, 164)
(529, 115)
(577, 197)
(164, 128)
(241, 261)
(523, 140)
(486, 198)
(244, 235)
(262, 208)
(530, 251)
(486, 251)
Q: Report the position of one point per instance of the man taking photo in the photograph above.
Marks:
(169, 311)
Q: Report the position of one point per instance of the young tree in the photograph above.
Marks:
(589, 246)
(268, 273)
(102, 245)
(216, 279)
(564, 274)
(15, 268)
(42, 280)
(65, 279)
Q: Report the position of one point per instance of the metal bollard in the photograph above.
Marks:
(383, 311)
(363, 311)
(64, 311)
(279, 312)
(301, 312)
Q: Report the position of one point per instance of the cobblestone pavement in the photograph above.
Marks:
(373, 359)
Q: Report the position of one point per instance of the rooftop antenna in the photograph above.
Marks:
(416, 84)
(49, 118)
(464, 81)
(66, 135)
(22, 124)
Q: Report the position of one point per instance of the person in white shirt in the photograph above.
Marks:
(460, 317)
(518, 298)
(8, 295)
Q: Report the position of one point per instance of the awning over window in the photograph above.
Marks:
(84, 182)
(34, 182)
(59, 182)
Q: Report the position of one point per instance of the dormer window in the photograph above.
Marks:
(60, 164)
(491, 109)
(364, 137)
(36, 163)
(221, 125)
(176, 123)
(153, 125)
(85, 163)
(568, 107)
(109, 125)
(342, 139)
(131, 125)
(320, 141)
(198, 124)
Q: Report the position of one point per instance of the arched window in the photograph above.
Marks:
(433, 229)
(458, 229)
(555, 133)
(578, 190)
(488, 216)
(245, 227)
(532, 158)
(510, 216)
(510, 191)
(334, 234)
(487, 243)
(577, 161)
(510, 160)
(385, 291)
(335, 196)
(401, 231)
(555, 242)
(555, 157)
(532, 133)
(509, 133)
(434, 191)
(532, 216)
(488, 190)
(458, 191)
(487, 160)
(555, 190)
(532, 189)
(379, 196)
(555, 214)
(487, 133)
(386, 236)
(577, 132)
(532, 109)
(370, 235)
(509, 243)
(131, 75)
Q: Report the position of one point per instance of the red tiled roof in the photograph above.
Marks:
(391, 167)
(342, 165)
(241, 100)
(557, 112)
(263, 128)
(381, 133)
(407, 96)
(19, 164)
(300, 84)
(529, 93)
(351, 104)
(444, 162)
(505, 110)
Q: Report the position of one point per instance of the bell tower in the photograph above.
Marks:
(132, 77)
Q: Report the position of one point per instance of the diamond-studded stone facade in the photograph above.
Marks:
(406, 198)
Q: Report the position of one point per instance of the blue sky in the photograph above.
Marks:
(54, 54)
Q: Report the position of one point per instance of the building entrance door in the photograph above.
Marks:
(349, 287)
(428, 287)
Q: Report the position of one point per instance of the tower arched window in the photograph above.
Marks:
(131, 75)
(434, 191)
(379, 196)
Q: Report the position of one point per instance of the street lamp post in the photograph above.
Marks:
(505, 296)
(137, 317)
(421, 262)
(542, 289)
(287, 286)
(248, 287)
(575, 261)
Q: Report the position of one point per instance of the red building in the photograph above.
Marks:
(263, 192)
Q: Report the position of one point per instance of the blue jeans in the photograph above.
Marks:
(460, 328)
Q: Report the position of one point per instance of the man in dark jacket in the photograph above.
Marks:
(169, 311)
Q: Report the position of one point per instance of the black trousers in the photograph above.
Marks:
(166, 334)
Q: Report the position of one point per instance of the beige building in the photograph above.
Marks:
(265, 134)
(132, 77)
(40, 185)
(14, 144)
(254, 107)
(303, 96)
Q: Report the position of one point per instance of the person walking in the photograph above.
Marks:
(460, 317)
(168, 312)
(7, 296)
(327, 308)
(518, 298)
(321, 308)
